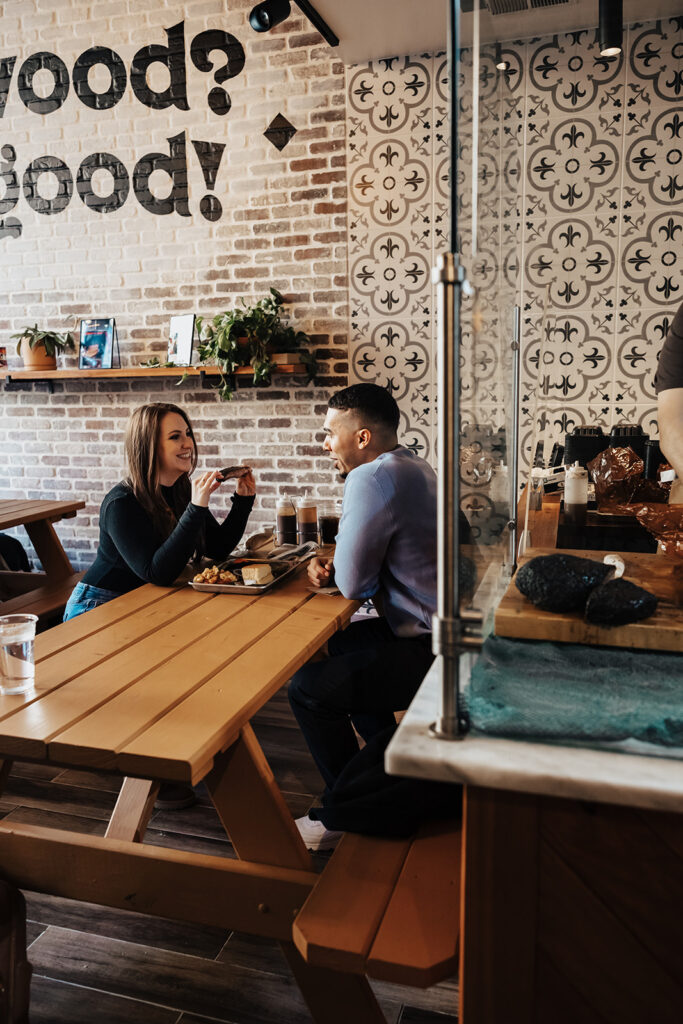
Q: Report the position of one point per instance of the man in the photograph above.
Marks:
(385, 549)
(669, 388)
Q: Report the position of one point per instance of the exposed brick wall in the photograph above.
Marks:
(283, 224)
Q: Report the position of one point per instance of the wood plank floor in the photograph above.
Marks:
(94, 965)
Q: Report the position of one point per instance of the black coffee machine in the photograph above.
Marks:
(584, 443)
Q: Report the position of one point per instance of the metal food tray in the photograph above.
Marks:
(293, 555)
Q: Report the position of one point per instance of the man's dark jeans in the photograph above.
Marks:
(369, 674)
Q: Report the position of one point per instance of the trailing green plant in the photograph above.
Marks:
(249, 336)
(155, 363)
(53, 341)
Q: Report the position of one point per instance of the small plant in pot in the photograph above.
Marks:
(251, 336)
(39, 348)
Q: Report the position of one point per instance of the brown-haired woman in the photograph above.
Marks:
(154, 521)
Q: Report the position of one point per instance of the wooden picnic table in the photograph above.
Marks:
(37, 516)
(161, 684)
(46, 592)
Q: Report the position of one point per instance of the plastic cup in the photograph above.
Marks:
(285, 522)
(329, 514)
(307, 520)
(17, 667)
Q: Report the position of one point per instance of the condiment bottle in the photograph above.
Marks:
(536, 494)
(575, 495)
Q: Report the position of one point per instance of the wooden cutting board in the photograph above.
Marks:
(517, 617)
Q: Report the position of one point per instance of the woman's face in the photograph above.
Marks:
(175, 449)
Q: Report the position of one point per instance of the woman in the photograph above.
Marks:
(154, 521)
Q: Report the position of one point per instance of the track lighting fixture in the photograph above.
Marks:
(611, 27)
(268, 14)
(271, 12)
(501, 63)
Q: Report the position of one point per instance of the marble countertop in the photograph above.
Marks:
(552, 770)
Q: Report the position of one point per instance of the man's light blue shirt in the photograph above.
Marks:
(386, 544)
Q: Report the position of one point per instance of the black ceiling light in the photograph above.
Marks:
(268, 14)
(271, 12)
(501, 63)
(611, 27)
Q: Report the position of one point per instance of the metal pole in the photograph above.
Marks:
(514, 465)
(448, 275)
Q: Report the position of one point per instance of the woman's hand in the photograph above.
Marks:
(246, 484)
(320, 571)
(203, 487)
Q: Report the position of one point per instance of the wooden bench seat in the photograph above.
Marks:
(44, 601)
(388, 908)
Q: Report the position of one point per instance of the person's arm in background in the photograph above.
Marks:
(670, 416)
(669, 388)
(365, 530)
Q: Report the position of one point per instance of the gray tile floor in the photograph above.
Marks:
(94, 965)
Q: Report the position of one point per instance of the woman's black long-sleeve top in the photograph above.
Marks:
(132, 552)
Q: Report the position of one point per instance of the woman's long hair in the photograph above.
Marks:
(142, 456)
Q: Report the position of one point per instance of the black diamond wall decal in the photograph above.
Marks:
(280, 131)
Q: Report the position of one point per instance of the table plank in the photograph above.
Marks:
(96, 738)
(81, 678)
(68, 633)
(20, 511)
(182, 744)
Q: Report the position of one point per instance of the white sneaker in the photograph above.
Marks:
(315, 835)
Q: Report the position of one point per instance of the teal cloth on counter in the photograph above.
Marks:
(572, 692)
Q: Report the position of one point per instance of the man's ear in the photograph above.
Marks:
(364, 436)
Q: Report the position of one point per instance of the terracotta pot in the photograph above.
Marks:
(37, 358)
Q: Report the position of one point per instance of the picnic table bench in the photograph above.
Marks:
(387, 908)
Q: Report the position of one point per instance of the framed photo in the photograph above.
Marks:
(181, 339)
(96, 347)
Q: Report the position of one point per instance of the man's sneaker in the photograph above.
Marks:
(174, 796)
(315, 835)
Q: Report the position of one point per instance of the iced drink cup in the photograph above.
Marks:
(329, 513)
(286, 522)
(17, 669)
(306, 520)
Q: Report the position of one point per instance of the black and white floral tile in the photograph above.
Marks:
(585, 155)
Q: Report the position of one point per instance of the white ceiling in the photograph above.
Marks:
(370, 29)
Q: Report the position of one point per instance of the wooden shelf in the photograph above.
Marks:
(138, 371)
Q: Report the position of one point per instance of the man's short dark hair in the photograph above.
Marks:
(375, 405)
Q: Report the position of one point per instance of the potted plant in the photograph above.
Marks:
(251, 336)
(39, 348)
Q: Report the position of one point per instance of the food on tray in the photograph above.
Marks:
(235, 471)
(215, 575)
(257, 575)
(560, 583)
(618, 602)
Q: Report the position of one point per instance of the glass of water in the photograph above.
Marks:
(17, 668)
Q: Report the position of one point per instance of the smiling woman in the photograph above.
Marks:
(156, 519)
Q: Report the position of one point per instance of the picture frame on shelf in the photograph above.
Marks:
(181, 339)
(98, 339)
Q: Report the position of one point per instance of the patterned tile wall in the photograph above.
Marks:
(585, 155)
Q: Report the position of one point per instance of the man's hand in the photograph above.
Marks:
(320, 571)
